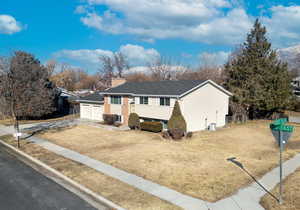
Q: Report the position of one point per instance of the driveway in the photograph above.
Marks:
(23, 188)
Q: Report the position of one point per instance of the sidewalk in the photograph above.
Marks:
(246, 199)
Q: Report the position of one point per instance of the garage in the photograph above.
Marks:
(91, 107)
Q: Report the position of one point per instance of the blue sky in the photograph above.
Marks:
(192, 31)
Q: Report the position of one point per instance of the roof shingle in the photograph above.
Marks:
(160, 88)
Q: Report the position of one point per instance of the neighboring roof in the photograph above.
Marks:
(160, 88)
(93, 98)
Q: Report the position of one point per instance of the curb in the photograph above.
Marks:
(84, 193)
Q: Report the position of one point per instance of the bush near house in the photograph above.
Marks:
(110, 119)
(134, 121)
(177, 124)
(152, 126)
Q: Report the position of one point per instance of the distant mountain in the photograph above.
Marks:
(291, 55)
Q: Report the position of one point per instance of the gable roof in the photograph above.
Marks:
(168, 88)
(93, 98)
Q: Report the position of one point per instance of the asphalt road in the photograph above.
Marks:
(23, 188)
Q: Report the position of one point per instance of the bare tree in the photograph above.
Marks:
(51, 65)
(107, 69)
(26, 89)
(164, 68)
(121, 64)
(112, 66)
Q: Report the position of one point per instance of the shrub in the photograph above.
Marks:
(110, 119)
(176, 133)
(177, 120)
(297, 107)
(166, 135)
(177, 124)
(152, 126)
(134, 121)
(189, 135)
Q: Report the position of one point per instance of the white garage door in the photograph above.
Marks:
(91, 111)
(97, 112)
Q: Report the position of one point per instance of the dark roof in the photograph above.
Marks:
(164, 88)
(95, 97)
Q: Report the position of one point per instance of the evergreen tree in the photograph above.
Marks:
(258, 80)
(177, 120)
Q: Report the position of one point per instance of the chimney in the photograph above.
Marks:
(117, 81)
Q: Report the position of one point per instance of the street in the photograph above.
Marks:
(22, 188)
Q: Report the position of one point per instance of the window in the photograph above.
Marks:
(143, 100)
(115, 99)
(119, 118)
(165, 101)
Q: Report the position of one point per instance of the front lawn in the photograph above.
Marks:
(196, 166)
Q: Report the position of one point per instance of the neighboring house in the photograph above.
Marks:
(91, 107)
(65, 102)
(296, 86)
(201, 102)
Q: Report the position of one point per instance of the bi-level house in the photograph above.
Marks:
(202, 102)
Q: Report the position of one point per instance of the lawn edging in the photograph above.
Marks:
(84, 193)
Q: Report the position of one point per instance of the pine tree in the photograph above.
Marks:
(259, 81)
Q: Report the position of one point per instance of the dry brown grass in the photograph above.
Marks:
(292, 113)
(291, 195)
(9, 122)
(196, 167)
(112, 189)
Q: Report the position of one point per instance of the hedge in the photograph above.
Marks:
(110, 119)
(152, 126)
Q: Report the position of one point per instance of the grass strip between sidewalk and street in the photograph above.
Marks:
(291, 194)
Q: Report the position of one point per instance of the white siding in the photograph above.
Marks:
(91, 111)
(204, 106)
(153, 109)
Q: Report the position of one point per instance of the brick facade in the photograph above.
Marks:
(106, 105)
(125, 110)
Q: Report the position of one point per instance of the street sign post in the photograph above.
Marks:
(281, 133)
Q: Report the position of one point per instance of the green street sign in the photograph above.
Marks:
(281, 131)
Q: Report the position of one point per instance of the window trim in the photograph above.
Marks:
(113, 98)
(164, 101)
(144, 100)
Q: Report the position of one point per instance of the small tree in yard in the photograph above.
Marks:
(26, 89)
(134, 121)
(177, 124)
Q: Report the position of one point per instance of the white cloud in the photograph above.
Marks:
(283, 25)
(137, 55)
(197, 20)
(88, 56)
(213, 59)
(9, 25)
(223, 22)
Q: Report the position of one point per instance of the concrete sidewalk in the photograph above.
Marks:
(247, 198)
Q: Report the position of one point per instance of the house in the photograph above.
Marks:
(66, 102)
(91, 107)
(202, 102)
